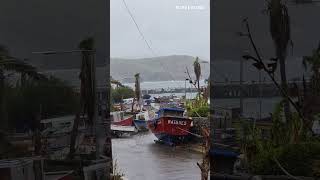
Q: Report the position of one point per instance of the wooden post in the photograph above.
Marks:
(205, 165)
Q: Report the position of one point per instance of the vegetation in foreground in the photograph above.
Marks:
(292, 148)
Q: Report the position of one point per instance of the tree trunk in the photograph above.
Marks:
(205, 165)
(284, 85)
(199, 90)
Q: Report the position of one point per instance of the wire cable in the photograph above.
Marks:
(143, 37)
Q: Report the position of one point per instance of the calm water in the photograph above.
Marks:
(139, 158)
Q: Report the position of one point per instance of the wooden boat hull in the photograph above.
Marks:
(170, 130)
(126, 122)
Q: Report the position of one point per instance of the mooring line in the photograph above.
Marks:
(197, 135)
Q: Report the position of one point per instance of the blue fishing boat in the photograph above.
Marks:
(141, 119)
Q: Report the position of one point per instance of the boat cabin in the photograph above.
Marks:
(177, 112)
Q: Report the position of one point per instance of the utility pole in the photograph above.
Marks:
(241, 87)
(185, 89)
(95, 118)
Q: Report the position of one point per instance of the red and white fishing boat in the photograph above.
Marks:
(119, 118)
(170, 126)
(122, 124)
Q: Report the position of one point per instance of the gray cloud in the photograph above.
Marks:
(167, 29)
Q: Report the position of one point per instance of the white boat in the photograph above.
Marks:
(119, 131)
(60, 125)
(123, 128)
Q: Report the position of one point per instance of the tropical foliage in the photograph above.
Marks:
(286, 148)
(120, 93)
(198, 107)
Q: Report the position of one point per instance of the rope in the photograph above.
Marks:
(197, 135)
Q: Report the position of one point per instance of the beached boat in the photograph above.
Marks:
(141, 120)
(119, 118)
(122, 124)
(170, 125)
(121, 131)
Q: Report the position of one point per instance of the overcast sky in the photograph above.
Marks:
(167, 29)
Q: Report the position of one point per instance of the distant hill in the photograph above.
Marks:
(164, 68)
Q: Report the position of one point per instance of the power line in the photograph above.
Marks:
(143, 37)
(137, 26)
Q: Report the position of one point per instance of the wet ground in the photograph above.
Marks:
(140, 158)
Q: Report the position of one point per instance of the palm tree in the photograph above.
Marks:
(197, 71)
(280, 32)
(87, 90)
(116, 82)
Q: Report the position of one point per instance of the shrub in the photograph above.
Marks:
(298, 159)
(202, 111)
